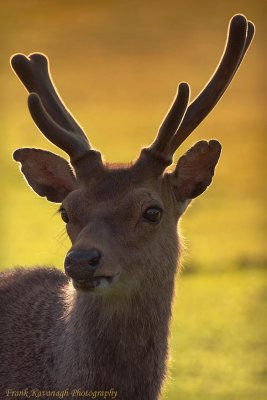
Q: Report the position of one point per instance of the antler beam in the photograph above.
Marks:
(179, 123)
(46, 107)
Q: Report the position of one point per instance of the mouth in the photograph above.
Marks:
(97, 282)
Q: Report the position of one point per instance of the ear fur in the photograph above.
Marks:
(48, 174)
(195, 169)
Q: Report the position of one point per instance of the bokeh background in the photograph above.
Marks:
(117, 65)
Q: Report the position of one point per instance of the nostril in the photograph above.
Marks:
(94, 258)
(67, 262)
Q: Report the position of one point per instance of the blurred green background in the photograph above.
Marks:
(117, 65)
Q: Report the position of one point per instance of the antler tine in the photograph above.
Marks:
(73, 144)
(172, 121)
(46, 107)
(240, 35)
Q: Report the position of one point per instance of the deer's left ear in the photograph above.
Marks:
(195, 169)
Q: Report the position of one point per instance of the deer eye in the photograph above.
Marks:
(153, 214)
(64, 214)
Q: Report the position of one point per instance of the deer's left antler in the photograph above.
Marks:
(180, 120)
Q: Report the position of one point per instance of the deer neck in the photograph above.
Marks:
(111, 343)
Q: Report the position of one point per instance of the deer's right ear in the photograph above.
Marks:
(49, 175)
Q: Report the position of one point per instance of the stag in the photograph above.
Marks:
(102, 327)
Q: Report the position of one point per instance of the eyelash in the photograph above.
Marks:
(64, 214)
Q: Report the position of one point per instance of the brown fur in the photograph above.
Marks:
(54, 337)
(111, 332)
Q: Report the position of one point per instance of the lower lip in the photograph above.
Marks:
(100, 282)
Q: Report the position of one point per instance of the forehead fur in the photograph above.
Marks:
(114, 182)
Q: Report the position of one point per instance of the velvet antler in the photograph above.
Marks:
(182, 120)
(46, 107)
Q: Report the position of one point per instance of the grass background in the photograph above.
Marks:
(117, 64)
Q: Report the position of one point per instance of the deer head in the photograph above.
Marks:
(122, 220)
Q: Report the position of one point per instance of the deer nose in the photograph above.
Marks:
(81, 264)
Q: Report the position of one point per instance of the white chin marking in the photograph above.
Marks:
(101, 282)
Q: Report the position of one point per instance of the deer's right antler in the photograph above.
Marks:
(47, 109)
